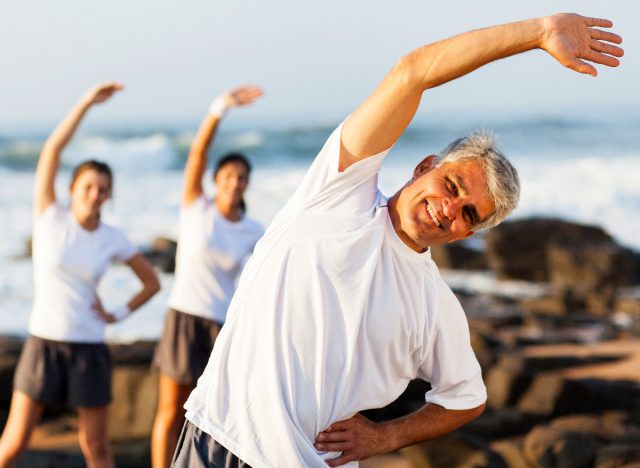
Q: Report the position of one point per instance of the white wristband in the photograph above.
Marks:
(218, 107)
(120, 312)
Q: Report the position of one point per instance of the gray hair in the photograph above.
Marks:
(503, 183)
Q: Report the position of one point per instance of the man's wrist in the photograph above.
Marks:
(390, 436)
(545, 28)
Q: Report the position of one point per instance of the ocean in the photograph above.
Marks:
(581, 167)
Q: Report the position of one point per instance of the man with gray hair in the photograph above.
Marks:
(340, 305)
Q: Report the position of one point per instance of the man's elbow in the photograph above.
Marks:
(476, 412)
(406, 72)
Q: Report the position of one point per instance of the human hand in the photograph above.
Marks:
(357, 438)
(242, 96)
(101, 313)
(102, 92)
(571, 39)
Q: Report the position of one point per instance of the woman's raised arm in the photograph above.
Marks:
(197, 160)
(44, 190)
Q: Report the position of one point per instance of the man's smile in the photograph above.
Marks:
(432, 212)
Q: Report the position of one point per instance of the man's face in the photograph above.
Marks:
(440, 205)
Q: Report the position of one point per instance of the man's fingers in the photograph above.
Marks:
(340, 425)
(606, 48)
(336, 436)
(605, 36)
(341, 446)
(599, 22)
(341, 460)
(602, 59)
(582, 67)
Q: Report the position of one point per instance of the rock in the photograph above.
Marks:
(544, 395)
(518, 249)
(618, 455)
(139, 353)
(51, 458)
(545, 446)
(458, 257)
(389, 460)
(162, 254)
(135, 395)
(575, 441)
(10, 348)
(495, 425)
(28, 248)
(560, 379)
(506, 381)
(459, 449)
(545, 305)
(551, 395)
(586, 275)
(511, 451)
(133, 454)
(135, 391)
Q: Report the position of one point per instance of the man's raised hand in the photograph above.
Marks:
(574, 40)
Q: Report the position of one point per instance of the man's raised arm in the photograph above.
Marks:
(573, 40)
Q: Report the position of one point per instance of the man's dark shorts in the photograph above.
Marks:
(72, 374)
(197, 449)
(185, 345)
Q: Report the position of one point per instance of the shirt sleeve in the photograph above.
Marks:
(51, 215)
(324, 188)
(450, 365)
(124, 249)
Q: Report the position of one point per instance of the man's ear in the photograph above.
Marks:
(424, 166)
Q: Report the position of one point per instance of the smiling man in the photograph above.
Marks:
(341, 305)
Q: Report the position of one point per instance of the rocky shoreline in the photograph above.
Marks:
(562, 370)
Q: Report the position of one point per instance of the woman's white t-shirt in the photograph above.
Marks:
(211, 253)
(333, 315)
(68, 263)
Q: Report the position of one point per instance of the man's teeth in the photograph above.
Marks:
(432, 212)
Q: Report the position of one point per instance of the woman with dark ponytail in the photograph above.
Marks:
(64, 359)
(215, 238)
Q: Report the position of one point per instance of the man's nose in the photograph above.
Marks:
(450, 207)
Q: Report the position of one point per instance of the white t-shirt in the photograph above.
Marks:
(68, 262)
(333, 315)
(211, 252)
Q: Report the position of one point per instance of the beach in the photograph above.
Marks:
(593, 181)
(561, 367)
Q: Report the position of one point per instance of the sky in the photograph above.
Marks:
(314, 59)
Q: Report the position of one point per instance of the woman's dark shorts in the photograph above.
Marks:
(185, 345)
(73, 374)
(197, 449)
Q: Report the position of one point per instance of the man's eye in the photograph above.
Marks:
(469, 217)
(452, 187)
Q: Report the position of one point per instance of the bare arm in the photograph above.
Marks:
(197, 160)
(49, 161)
(358, 438)
(378, 123)
(150, 285)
